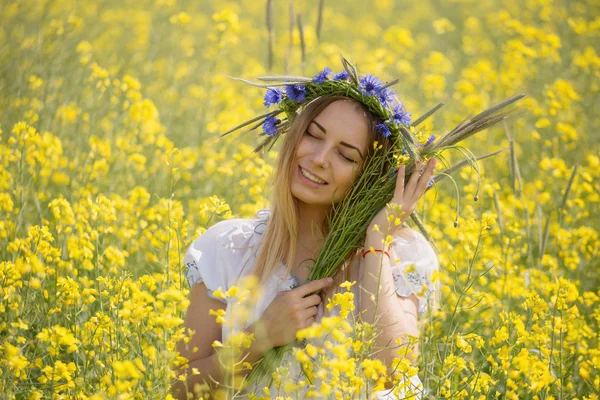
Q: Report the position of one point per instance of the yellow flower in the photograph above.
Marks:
(301, 356)
(462, 344)
(499, 336)
(373, 368)
(232, 292)
(289, 387)
(443, 25)
(311, 350)
(219, 313)
(344, 300)
(239, 339)
(182, 18)
(542, 123)
(487, 221)
(388, 240)
(219, 293)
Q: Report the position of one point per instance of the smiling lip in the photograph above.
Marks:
(308, 181)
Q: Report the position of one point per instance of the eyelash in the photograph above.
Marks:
(343, 156)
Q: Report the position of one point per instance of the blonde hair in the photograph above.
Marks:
(282, 226)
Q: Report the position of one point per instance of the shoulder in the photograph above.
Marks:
(407, 233)
(217, 257)
(412, 242)
(223, 245)
(231, 233)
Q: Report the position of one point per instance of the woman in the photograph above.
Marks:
(321, 156)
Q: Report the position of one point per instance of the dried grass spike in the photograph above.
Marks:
(387, 85)
(498, 106)
(263, 116)
(350, 69)
(261, 85)
(428, 114)
(284, 78)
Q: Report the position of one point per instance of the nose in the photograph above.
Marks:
(320, 157)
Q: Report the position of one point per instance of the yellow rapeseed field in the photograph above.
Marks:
(109, 168)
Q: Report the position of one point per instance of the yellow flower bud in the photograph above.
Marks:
(219, 293)
(232, 292)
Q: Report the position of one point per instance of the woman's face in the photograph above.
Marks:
(331, 152)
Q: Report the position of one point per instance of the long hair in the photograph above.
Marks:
(278, 241)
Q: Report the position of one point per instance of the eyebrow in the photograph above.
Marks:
(342, 143)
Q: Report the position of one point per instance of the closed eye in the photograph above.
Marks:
(343, 156)
(311, 135)
(347, 158)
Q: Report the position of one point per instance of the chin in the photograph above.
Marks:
(303, 194)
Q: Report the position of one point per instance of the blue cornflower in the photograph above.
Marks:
(430, 184)
(383, 130)
(370, 85)
(270, 125)
(386, 96)
(430, 140)
(401, 116)
(341, 76)
(322, 76)
(295, 93)
(273, 96)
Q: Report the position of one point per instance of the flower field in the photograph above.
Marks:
(111, 164)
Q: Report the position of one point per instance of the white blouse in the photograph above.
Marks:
(227, 250)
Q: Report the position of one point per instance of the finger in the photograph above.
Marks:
(426, 177)
(310, 321)
(310, 312)
(311, 300)
(312, 286)
(400, 185)
(412, 181)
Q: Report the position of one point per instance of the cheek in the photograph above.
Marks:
(303, 148)
(346, 174)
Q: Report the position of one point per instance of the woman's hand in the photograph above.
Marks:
(290, 311)
(405, 198)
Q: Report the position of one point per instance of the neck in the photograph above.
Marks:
(311, 217)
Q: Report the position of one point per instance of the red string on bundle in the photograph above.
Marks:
(379, 250)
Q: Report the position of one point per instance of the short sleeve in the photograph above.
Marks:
(413, 390)
(414, 266)
(214, 256)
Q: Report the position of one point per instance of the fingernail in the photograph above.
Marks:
(329, 280)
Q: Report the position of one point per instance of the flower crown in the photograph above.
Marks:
(369, 90)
